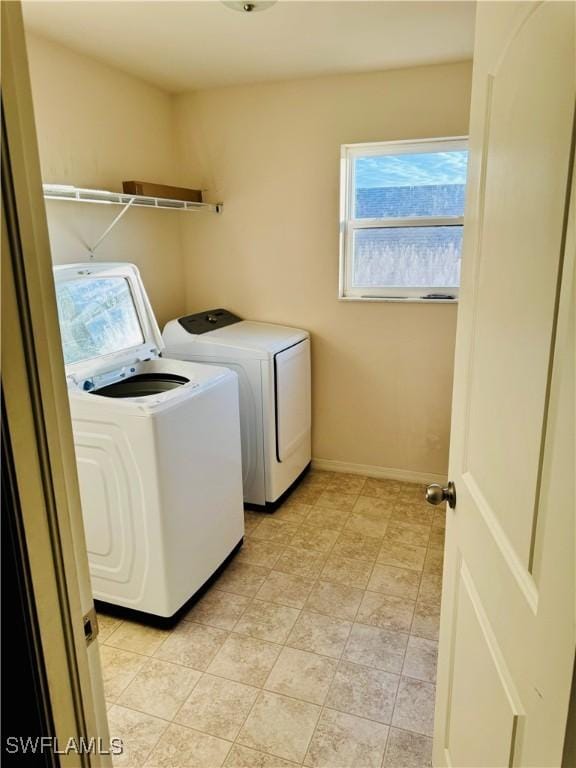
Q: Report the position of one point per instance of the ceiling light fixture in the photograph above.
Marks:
(250, 7)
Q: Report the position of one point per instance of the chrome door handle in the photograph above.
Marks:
(435, 494)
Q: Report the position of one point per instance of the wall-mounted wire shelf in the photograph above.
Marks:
(78, 195)
(65, 192)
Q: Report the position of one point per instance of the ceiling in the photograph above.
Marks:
(182, 45)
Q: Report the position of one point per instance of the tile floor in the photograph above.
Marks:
(316, 647)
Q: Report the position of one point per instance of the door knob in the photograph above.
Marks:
(435, 494)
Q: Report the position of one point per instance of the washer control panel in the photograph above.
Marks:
(202, 322)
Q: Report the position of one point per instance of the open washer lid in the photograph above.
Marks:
(106, 320)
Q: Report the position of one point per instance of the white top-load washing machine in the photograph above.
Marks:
(273, 367)
(157, 445)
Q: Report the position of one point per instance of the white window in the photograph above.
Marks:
(401, 221)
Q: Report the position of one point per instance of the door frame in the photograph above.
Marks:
(37, 420)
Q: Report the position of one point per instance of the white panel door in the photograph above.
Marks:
(507, 637)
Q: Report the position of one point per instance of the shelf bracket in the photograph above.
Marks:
(109, 229)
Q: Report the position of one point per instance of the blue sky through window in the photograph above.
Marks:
(418, 169)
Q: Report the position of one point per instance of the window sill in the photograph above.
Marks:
(398, 300)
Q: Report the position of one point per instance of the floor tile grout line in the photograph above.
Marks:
(187, 697)
(150, 658)
(382, 762)
(232, 630)
(421, 576)
(160, 735)
(405, 651)
(214, 626)
(294, 698)
(394, 707)
(341, 656)
(323, 708)
(314, 583)
(194, 730)
(170, 661)
(318, 578)
(286, 696)
(284, 646)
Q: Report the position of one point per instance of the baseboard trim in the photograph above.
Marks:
(386, 473)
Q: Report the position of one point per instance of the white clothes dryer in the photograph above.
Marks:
(273, 367)
(157, 445)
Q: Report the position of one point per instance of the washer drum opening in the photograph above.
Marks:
(143, 385)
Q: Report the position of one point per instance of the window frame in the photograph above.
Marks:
(349, 225)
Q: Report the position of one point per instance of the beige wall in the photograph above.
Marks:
(96, 127)
(382, 372)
